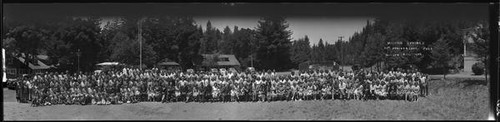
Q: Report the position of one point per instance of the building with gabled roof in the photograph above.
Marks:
(219, 61)
(16, 64)
(168, 64)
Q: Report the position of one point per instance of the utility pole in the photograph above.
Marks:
(78, 55)
(251, 59)
(251, 53)
(139, 36)
(341, 53)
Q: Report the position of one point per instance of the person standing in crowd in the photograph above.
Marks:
(423, 85)
(132, 86)
(342, 88)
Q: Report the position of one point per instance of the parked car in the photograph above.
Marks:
(250, 69)
(190, 70)
(214, 70)
(105, 66)
(11, 84)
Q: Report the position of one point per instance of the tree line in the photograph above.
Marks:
(267, 46)
(369, 47)
(179, 39)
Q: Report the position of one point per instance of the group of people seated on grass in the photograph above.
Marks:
(153, 85)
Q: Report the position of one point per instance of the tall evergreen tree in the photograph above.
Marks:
(441, 55)
(321, 51)
(227, 41)
(211, 39)
(274, 43)
(300, 51)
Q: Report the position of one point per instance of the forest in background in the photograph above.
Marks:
(270, 45)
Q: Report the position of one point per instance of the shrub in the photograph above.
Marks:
(478, 68)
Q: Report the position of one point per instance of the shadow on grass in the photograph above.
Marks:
(472, 82)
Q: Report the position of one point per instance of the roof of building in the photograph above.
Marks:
(170, 63)
(231, 60)
(38, 64)
(108, 63)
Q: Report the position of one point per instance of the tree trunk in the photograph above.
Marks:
(444, 73)
(486, 77)
(487, 82)
(486, 66)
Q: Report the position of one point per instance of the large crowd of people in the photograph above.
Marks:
(133, 85)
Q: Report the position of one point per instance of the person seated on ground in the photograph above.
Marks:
(400, 90)
(410, 91)
(83, 82)
(61, 98)
(349, 90)
(87, 100)
(99, 99)
(325, 91)
(94, 98)
(70, 97)
(136, 94)
(44, 100)
(112, 98)
(342, 88)
(369, 88)
(372, 88)
(54, 98)
(67, 98)
(142, 88)
(358, 92)
(51, 99)
(90, 91)
(76, 99)
(119, 98)
(156, 94)
(417, 91)
(132, 95)
(107, 99)
(84, 94)
(383, 89)
(168, 92)
(407, 90)
(391, 89)
(293, 90)
(150, 95)
(376, 88)
(124, 94)
(128, 95)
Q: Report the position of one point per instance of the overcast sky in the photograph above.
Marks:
(326, 28)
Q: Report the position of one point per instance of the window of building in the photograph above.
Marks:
(224, 59)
